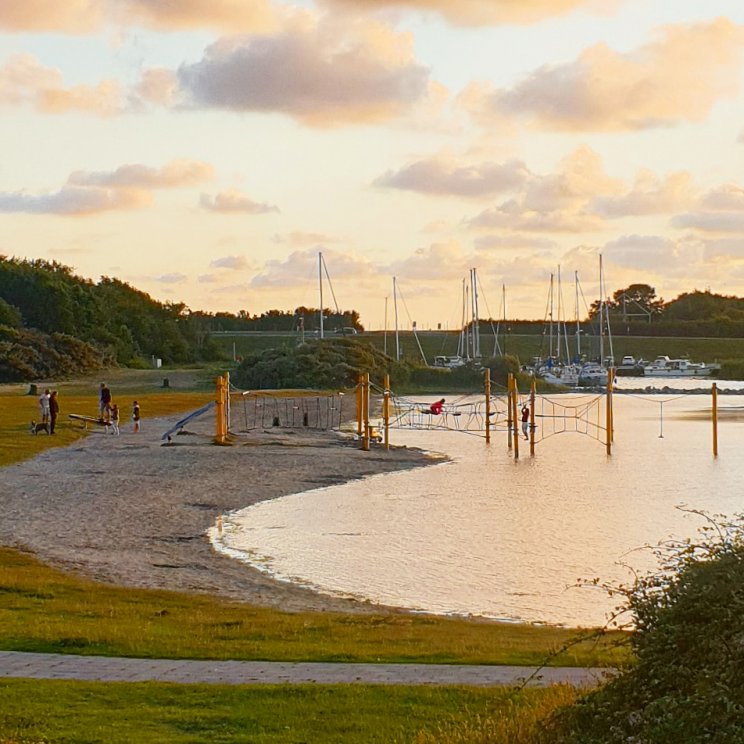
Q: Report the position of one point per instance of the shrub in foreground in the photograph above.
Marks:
(688, 682)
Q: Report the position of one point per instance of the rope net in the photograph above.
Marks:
(259, 410)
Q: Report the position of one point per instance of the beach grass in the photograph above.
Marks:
(18, 408)
(62, 711)
(47, 610)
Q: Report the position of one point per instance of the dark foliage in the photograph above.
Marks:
(688, 682)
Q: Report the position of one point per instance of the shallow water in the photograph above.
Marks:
(487, 535)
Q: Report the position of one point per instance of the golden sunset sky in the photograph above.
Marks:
(206, 152)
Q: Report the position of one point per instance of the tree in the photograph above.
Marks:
(635, 301)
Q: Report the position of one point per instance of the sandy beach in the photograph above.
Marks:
(130, 511)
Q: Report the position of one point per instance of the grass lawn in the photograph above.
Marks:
(57, 711)
(45, 610)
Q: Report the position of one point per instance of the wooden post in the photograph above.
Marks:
(608, 411)
(515, 417)
(487, 378)
(386, 410)
(714, 412)
(219, 428)
(509, 386)
(365, 412)
(359, 388)
(533, 387)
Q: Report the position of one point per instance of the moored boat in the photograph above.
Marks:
(630, 367)
(663, 366)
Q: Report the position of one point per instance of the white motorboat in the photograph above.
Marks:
(593, 373)
(630, 367)
(559, 374)
(663, 366)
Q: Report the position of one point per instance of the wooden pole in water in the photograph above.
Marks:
(515, 394)
(509, 385)
(714, 412)
(365, 412)
(487, 377)
(219, 429)
(608, 412)
(360, 382)
(533, 387)
(386, 410)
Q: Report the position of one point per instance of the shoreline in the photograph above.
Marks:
(132, 512)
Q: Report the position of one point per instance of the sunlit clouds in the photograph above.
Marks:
(208, 152)
(677, 77)
(322, 73)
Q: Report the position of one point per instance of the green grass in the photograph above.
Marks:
(45, 711)
(46, 610)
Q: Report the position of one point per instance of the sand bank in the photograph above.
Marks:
(127, 510)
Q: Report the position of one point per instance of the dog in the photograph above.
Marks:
(36, 428)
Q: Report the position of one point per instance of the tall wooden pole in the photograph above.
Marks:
(515, 418)
(509, 385)
(365, 412)
(533, 387)
(487, 376)
(359, 388)
(714, 411)
(386, 410)
(608, 411)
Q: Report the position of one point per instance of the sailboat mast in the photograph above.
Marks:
(384, 343)
(476, 324)
(503, 302)
(601, 311)
(320, 285)
(578, 324)
(550, 319)
(395, 308)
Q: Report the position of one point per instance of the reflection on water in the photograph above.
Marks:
(486, 535)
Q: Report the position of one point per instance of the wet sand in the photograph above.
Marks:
(130, 511)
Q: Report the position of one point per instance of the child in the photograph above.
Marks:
(135, 416)
(114, 419)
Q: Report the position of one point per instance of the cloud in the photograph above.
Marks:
(127, 187)
(710, 221)
(677, 77)
(233, 201)
(25, 81)
(237, 263)
(641, 252)
(511, 242)
(439, 261)
(172, 175)
(74, 201)
(728, 197)
(471, 12)
(649, 195)
(444, 177)
(170, 278)
(86, 16)
(321, 73)
(69, 16)
(232, 16)
(299, 266)
(301, 239)
(723, 249)
(512, 215)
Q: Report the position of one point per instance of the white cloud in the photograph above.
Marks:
(678, 77)
(234, 202)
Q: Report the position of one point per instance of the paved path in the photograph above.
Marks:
(108, 669)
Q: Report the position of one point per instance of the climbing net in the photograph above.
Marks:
(579, 414)
(466, 414)
(258, 410)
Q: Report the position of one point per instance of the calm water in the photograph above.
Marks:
(486, 535)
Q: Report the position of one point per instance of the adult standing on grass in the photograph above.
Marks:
(53, 410)
(104, 401)
(44, 406)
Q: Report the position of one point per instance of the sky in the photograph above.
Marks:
(208, 152)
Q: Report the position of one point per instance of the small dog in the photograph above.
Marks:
(36, 428)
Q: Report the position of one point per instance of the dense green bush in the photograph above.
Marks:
(32, 355)
(687, 685)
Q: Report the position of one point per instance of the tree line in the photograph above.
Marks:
(56, 324)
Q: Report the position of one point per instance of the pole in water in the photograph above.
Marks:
(487, 380)
(509, 386)
(661, 419)
(714, 411)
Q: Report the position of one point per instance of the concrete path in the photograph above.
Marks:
(107, 669)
